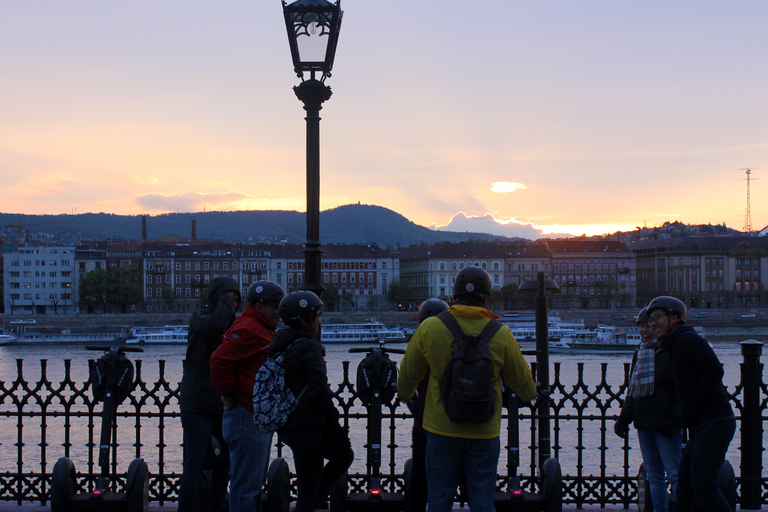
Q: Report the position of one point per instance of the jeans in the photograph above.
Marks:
(661, 456)
(249, 452)
(198, 429)
(702, 457)
(448, 458)
(313, 480)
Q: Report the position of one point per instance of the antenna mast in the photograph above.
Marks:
(748, 217)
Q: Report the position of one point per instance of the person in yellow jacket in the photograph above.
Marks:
(468, 448)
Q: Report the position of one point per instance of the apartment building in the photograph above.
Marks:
(593, 274)
(704, 272)
(39, 280)
(429, 270)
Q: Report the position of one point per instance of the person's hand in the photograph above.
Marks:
(229, 402)
(621, 428)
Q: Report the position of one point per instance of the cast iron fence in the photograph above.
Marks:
(42, 420)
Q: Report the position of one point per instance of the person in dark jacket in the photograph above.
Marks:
(416, 500)
(703, 406)
(312, 431)
(650, 404)
(233, 371)
(201, 407)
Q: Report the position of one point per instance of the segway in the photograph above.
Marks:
(112, 380)
(550, 495)
(726, 479)
(376, 375)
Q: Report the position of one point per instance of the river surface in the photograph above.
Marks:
(571, 433)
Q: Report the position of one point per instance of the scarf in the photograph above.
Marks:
(641, 382)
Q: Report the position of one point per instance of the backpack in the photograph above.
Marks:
(366, 371)
(466, 387)
(119, 378)
(273, 401)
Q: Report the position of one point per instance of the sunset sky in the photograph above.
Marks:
(514, 117)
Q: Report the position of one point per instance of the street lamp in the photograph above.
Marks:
(541, 286)
(313, 31)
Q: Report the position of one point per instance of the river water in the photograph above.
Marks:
(571, 434)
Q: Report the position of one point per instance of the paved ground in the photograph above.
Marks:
(171, 507)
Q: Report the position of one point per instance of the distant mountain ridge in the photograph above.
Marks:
(349, 224)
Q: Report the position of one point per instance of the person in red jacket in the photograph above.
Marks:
(233, 371)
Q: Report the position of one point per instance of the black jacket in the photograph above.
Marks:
(206, 329)
(698, 378)
(658, 410)
(305, 368)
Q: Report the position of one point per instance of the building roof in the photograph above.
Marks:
(452, 251)
(588, 246)
(695, 244)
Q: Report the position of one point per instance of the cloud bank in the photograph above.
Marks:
(512, 228)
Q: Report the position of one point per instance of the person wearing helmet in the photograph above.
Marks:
(702, 403)
(233, 370)
(417, 498)
(468, 448)
(312, 431)
(650, 404)
(201, 407)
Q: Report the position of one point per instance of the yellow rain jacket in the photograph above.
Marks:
(431, 348)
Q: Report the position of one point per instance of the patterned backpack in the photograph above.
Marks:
(273, 401)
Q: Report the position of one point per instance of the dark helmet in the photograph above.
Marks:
(472, 281)
(431, 307)
(642, 317)
(297, 306)
(668, 304)
(264, 291)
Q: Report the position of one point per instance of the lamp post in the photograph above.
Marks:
(313, 31)
(541, 286)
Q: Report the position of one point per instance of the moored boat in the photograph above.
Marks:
(65, 337)
(367, 332)
(7, 339)
(166, 334)
(605, 339)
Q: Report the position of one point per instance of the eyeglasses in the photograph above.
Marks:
(657, 318)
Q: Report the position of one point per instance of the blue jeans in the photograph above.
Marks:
(702, 457)
(249, 452)
(198, 429)
(448, 458)
(661, 456)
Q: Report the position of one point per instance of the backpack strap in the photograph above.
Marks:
(488, 332)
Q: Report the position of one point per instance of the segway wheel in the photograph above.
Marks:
(552, 477)
(644, 501)
(727, 480)
(137, 487)
(63, 485)
(278, 495)
(338, 495)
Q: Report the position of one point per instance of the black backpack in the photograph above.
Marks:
(367, 371)
(467, 383)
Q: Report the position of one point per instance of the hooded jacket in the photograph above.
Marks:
(698, 378)
(305, 373)
(242, 352)
(206, 328)
(431, 348)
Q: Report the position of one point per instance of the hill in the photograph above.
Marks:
(347, 224)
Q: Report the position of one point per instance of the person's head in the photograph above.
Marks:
(302, 309)
(265, 296)
(644, 326)
(665, 313)
(220, 286)
(472, 286)
(431, 307)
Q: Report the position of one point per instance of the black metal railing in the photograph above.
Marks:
(41, 420)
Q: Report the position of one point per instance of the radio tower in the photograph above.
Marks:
(748, 217)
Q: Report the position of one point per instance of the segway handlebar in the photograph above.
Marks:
(120, 348)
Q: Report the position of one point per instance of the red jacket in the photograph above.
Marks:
(242, 352)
